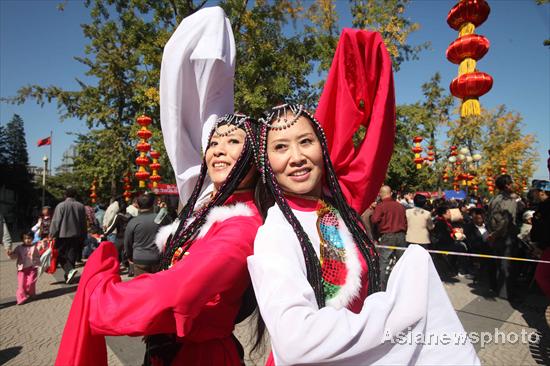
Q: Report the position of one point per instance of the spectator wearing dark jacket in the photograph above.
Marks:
(446, 238)
(68, 228)
(139, 238)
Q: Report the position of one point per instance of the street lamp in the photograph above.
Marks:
(45, 160)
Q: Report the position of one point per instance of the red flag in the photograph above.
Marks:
(45, 141)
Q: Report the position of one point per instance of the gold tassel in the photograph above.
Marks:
(466, 66)
(470, 107)
(466, 28)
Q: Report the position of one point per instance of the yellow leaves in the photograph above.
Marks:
(153, 95)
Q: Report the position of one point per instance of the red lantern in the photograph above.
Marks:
(144, 120)
(143, 147)
(127, 187)
(93, 195)
(142, 161)
(417, 149)
(466, 50)
(471, 46)
(142, 175)
(468, 11)
(144, 134)
(471, 85)
(155, 167)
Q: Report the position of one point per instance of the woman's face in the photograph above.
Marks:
(296, 157)
(222, 154)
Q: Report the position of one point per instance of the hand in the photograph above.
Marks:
(9, 252)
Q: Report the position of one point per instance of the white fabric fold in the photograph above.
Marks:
(414, 305)
(196, 87)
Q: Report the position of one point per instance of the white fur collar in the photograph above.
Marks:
(222, 213)
(216, 214)
(350, 290)
(164, 232)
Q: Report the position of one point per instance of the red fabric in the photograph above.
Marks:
(53, 260)
(44, 141)
(198, 299)
(359, 92)
(389, 217)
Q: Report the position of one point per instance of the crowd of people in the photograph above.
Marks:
(506, 225)
(74, 231)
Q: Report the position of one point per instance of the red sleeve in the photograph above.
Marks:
(359, 92)
(167, 301)
(376, 215)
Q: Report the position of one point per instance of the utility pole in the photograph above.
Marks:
(45, 159)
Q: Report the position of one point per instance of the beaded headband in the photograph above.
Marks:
(236, 121)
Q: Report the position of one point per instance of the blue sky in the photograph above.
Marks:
(38, 42)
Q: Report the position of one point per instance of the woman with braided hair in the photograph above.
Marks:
(314, 269)
(188, 310)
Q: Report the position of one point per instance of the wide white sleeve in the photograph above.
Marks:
(196, 87)
(303, 334)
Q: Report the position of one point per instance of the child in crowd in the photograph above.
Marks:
(28, 261)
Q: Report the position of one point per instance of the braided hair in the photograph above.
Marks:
(187, 230)
(348, 214)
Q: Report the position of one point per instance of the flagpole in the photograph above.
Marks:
(51, 161)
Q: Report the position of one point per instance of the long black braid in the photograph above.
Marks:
(186, 232)
(348, 214)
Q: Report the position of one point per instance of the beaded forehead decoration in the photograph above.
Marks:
(236, 121)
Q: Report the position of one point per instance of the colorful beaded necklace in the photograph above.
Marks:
(332, 251)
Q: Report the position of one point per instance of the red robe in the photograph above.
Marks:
(198, 298)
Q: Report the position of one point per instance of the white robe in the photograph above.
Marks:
(196, 87)
(415, 304)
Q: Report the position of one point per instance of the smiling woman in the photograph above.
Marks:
(188, 310)
(295, 156)
(315, 269)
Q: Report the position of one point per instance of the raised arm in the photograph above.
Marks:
(164, 302)
(196, 86)
(359, 94)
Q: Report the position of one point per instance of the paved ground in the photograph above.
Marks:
(30, 333)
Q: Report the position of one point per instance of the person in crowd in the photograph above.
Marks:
(109, 216)
(188, 310)
(476, 240)
(540, 235)
(28, 261)
(133, 208)
(69, 230)
(42, 227)
(161, 209)
(503, 229)
(390, 221)
(100, 213)
(406, 200)
(5, 236)
(139, 237)
(118, 227)
(419, 222)
(447, 238)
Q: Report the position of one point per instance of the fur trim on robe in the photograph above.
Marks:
(216, 214)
